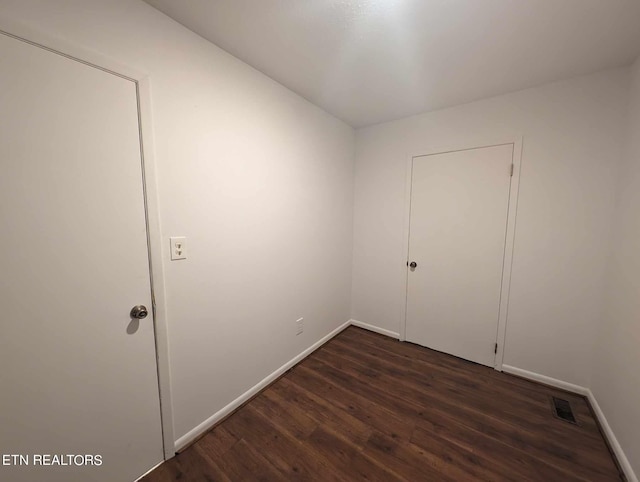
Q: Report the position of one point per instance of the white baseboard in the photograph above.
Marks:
(382, 331)
(553, 382)
(606, 428)
(150, 470)
(194, 433)
(611, 438)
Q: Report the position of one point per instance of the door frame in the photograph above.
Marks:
(514, 186)
(21, 32)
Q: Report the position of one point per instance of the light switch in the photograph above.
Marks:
(178, 247)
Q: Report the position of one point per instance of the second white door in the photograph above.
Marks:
(459, 210)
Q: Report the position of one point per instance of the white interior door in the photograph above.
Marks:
(459, 206)
(78, 373)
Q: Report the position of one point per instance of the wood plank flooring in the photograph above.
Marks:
(367, 407)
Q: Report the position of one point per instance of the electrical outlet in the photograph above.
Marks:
(178, 247)
(299, 326)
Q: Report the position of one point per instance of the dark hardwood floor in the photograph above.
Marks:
(367, 407)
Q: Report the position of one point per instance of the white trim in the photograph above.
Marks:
(194, 433)
(141, 80)
(149, 471)
(514, 187)
(611, 438)
(68, 49)
(552, 382)
(406, 231)
(161, 323)
(507, 264)
(375, 329)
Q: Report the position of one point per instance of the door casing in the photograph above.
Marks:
(517, 143)
(141, 80)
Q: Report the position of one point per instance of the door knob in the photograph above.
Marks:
(139, 312)
(413, 264)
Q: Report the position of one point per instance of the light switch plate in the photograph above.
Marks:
(178, 247)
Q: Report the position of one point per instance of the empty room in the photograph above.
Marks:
(322, 240)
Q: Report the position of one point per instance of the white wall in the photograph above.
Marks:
(258, 179)
(616, 361)
(573, 133)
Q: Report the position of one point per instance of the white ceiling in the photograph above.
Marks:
(370, 61)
